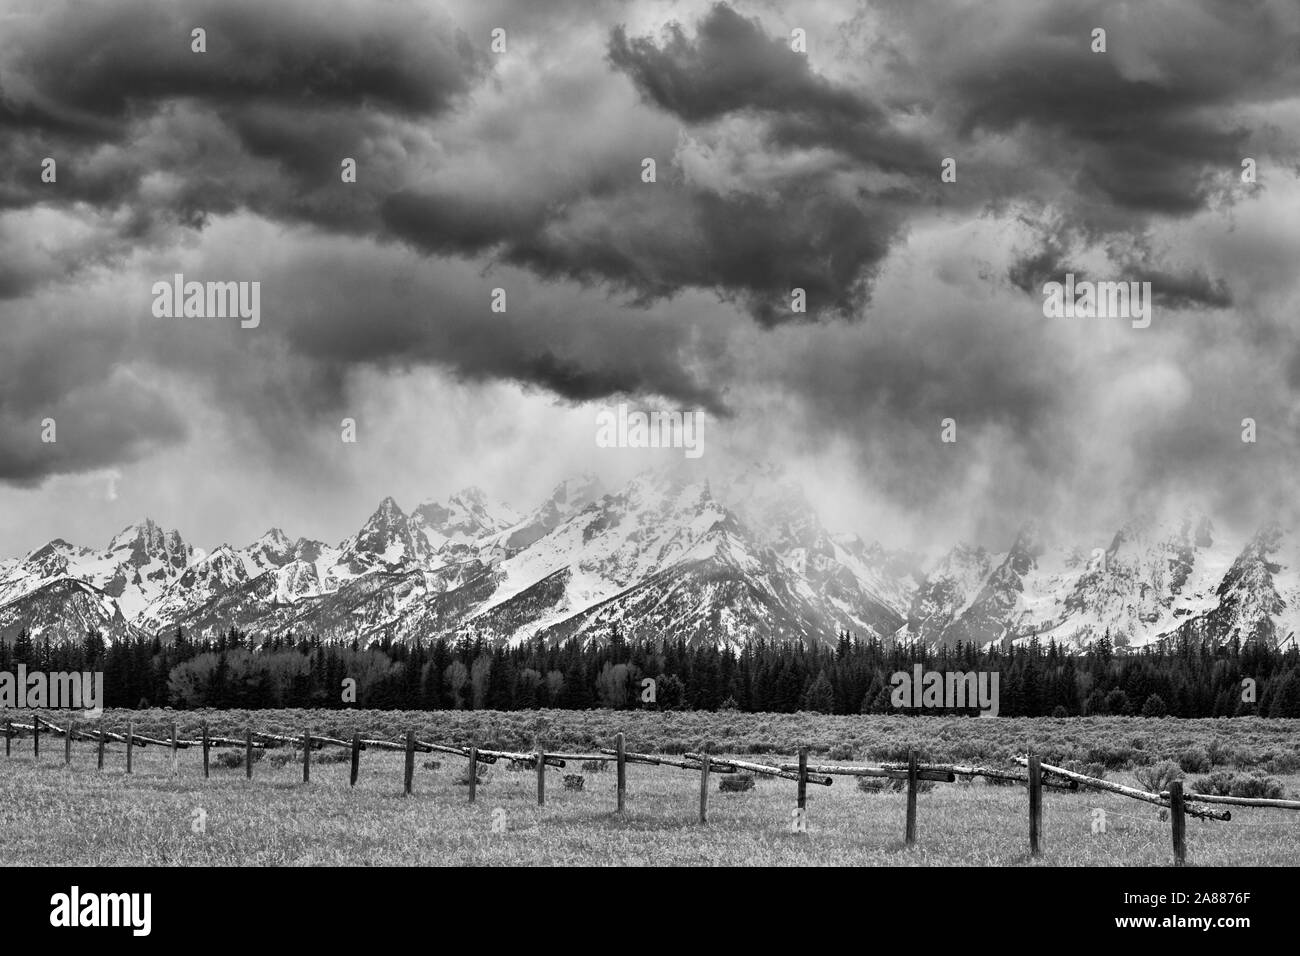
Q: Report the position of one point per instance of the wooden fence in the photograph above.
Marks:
(1036, 776)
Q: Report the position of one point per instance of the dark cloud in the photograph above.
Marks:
(96, 64)
(98, 424)
(775, 171)
(1192, 289)
(1150, 127)
(734, 67)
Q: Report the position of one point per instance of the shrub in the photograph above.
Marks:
(1218, 783)
(593, 766)
(1154, 706)
(432, 764)
(1250, 785)
(1113, 757)
(1195, 760)
(574, 781)
(283, 756)
(1097, 770)
(841, 752)
(233, 759)
(1224, 783)
(1157, 777)
(736, 782)
(332, 755)
(881, 784)
(484, 771)
(1059, 711)
(1285, 763)
(1117, 703)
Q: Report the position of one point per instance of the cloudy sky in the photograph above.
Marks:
(522, 170)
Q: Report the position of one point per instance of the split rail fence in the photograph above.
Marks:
(1036, 775)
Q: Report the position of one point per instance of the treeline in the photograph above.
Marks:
(852, 677)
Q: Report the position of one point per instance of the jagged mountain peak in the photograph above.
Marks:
(578, 491)
(720, 555)
(275, 538)
(271, 550)
(467, 514)
(142, 543)
(388, 509)
(1029, 542)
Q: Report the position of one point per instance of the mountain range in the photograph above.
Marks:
(664, 555)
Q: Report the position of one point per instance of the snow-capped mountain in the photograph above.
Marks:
(740, 558)
(945, 593)
(1259, 595)
(456, 529)
(1154, 579)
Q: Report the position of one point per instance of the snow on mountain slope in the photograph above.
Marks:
(138, 565)
(143, 559)
(1152, 577)
(1259, 595)
(724, 590)
(386, 542)
(1155, 574)
(62, 610)
(870, 587)
(569, 498)
(271, 550)
(622, 539)
(743, 557)
(216, 573)
(455, 529)
(946, 591)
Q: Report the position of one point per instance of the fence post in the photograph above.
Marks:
(911, 797)
(306, 755)
(130, 743)
(67, 744)
(704, 788)
(803, 777)
(36, 738)
(205, 750)
(99, 728)
(541, 776)
(621, 781)
(9, 732)
(473, 772)
(1035, 802)
(410, 760)
(248, 754)
(175, 766)
(1178, 821)
(356, 755)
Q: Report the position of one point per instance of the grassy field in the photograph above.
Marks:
(52, 814)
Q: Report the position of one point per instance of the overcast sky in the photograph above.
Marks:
(523, 170)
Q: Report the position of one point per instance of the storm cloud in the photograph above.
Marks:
(776, 169)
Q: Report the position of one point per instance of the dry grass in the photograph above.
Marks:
(77, 815)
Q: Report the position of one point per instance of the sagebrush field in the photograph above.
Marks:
(55, 814)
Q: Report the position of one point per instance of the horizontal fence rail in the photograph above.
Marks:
(1036, 776)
